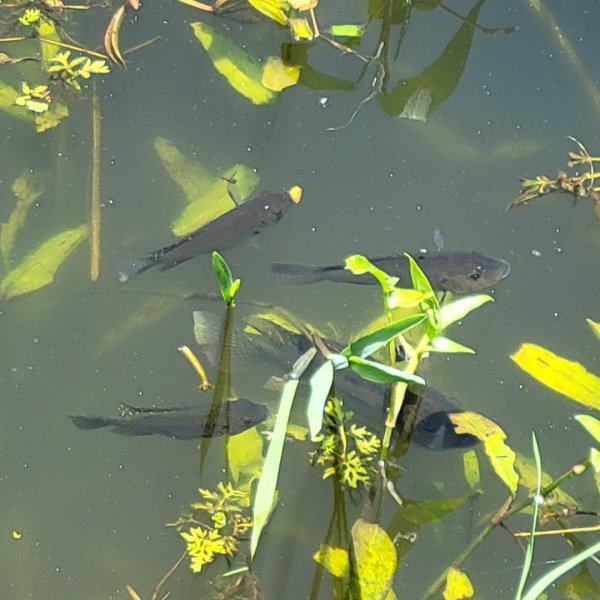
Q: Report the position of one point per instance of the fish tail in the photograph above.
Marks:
(135, 266)
(82, 422)
(288, 274)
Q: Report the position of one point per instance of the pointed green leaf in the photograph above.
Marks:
(595, 327)
(380, 373)
(227, 285)
(369, 344)
(443, 344)
(360, 265)
(461, 307)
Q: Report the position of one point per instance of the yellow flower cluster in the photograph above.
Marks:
(202, 545)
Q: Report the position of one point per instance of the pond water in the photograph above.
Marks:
(91, 505)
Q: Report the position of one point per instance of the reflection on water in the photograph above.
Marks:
(91, 506)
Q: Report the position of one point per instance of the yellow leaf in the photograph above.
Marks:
(335, 560)
(595, 459)
(300, 29)
(244, 453)
(51, 118)
(458, 585)
(216, 200)
(501, 456)
(376, 559)
(277, 76)
(243, 73)
(562, 375)
(276, 10)
(38, 269)
(595, 327)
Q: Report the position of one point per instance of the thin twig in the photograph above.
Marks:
(95, 214)
(166, 576)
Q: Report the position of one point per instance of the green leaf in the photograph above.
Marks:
(429, 305)
(471, 469)
(347, 30)
(591, 425)
(369, 344)
(242, 72)
(39, 268)
(460, 308)
(502, 457)
(562, 375)
(267, 484)
(376, 559)
(595, 327)
(380, 373)
(276, 10)
(277, 75)
(320, 385)
(228, 286)
(244, 454)
(443, 344)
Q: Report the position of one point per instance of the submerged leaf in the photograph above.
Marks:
(244, 454)
(277, 75)
(591, 425)
(501, 456)
(562, 375)
(111, 36)
(191, 176)
(52, 117)
(242, 72)
(376, 559)
(27, 188)
(39, 268)
(216, 200)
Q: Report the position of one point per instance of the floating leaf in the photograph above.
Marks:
(335, 560)
(193, 177)
(347, 30)
(380, 373)
(242, 72)
(300, 29)
(562, 375)
(39, 268)
(370, 343)
(501, 456)
(376, 559)
(276, 10)
(458, 585)
(277, 76)
(216, 200)
(591, 425)
(27, 188)
(320, 384)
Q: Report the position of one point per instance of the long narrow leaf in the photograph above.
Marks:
(380, 373)
(460, 308)
(370, 343)
(320, 384)
(267, 485)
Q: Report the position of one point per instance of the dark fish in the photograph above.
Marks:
(448, 271)
(182, 423)
(227, 231)
(278, 345)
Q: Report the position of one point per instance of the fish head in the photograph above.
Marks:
(244, 414)
(274, 207)
(469, 272)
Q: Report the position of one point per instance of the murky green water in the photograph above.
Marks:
(92, 505)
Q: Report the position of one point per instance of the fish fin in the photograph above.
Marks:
(135, 266)
(288, 274)
(82, 422)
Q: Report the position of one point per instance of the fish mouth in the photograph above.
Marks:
(504, 269)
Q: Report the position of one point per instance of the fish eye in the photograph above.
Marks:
(475, 276)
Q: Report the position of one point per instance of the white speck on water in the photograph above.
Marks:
(535, 252)
(323, 101)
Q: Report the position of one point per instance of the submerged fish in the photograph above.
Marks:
(448, 271)
(269, 340)
(182, 423)
(227, 231)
